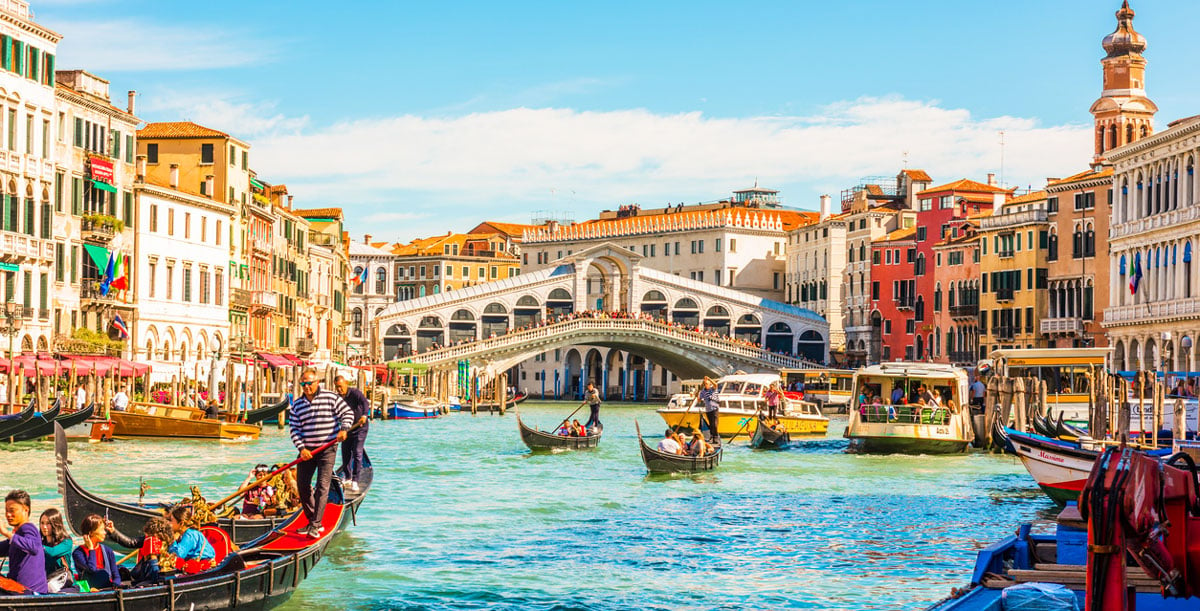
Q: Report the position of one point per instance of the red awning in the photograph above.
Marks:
(295, 360)
(274, 361)
(30, 365)
(104, 365)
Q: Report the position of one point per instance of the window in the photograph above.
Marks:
(716, 247)
(774, 280)
(170, 222)
(1052, 205)
(875, 257)
(217, 234)
(60, 263)
(170, 281)
(926, 205)
(206, 153)
(887, 257)
(45, 139)
(947, 202)
(245, 160)
(920, 234)
(219, 285)
(151, 150)
(204, 285)
(910, 326)
(153, 217)
(875, 290)
(152, 272)
(232, 155)
(732, 245)
(187, 225)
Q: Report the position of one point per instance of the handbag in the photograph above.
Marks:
(56, 581)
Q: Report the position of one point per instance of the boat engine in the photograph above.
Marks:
(1141, 509)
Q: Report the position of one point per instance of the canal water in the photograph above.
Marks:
(462, 516)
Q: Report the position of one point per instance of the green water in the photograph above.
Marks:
(463, 516)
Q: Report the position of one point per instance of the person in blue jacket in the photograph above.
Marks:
(23, 544)
(95, 562)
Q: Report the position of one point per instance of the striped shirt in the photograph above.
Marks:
(317, 421)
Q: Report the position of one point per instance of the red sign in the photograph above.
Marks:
(102, 169)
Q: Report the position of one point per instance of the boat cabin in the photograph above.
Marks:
(1065, 370)
(893, 393)
(824, 386)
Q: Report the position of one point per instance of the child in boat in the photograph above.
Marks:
(95, 562)
(194, 552)
(258, 498)
(577, 429)
(56, 542)
(153, 559)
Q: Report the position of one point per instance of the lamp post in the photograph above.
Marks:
(12, 326)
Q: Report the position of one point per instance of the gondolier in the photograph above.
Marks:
(318, 416)
(707, 395)
(591, 396)
(352, 449)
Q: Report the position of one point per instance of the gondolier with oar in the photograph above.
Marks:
(591, 396)
(317, 417)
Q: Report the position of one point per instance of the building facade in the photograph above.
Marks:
(816, 272)
(892, 294)
(1079, 208)
(1014, 241)
(428, 266)
(329, 254)
(956, 295)
(372, 288)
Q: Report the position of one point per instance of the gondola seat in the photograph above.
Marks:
(220, 542)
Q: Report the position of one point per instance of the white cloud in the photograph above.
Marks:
(225, 112)
(456, 171)
(119, 45)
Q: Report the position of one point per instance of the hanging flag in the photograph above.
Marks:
(106, 283)
(361, 278)
(122, 275)
(1135, 273)
(119, 324)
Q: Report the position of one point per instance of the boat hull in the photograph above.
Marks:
(400, 411)
(906, 445)
(766, 438)
(541, 441)
(267, 413)
(64, 420)
(178, 422)
(742, 423)
(661, 462)
(1059, 471)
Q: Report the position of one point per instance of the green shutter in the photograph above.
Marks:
(128, 148)
(6, 51)
(60, 266)
(128, 209)
(19, 55)
(4, 219)
(116, 139)
(74, 264)
(47, 220)
(76, 196)
(78, 132)
(50, 69)
(35, 64)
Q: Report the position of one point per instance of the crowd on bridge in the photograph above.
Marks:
(612, 315)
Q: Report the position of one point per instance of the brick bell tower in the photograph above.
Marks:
(1123, 114)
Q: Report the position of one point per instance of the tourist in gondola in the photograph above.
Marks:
(697, 446)
(668, 444)
(95, 562)
(591, 396)
(353, 447)
(565, 430)
(259, 497)
(23, 544)
(577, 429)
(57, 547)
(194, 552)
(153, 559)
(120, 401)
(707, 394)
(317, 417)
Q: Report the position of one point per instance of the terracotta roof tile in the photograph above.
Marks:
(1033, 196)
(1082, 176)
(918, 175)
(896, 235)
(968, 185)
(178, 129)
(319, 213)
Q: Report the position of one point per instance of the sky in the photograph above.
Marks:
(419, 118)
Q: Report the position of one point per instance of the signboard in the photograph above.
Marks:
(102, 169)
(9, 267)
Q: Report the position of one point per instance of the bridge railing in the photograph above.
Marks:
(724, 344)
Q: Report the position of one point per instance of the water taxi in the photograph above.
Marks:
(740, 401)
(878, 425)
(828, 388)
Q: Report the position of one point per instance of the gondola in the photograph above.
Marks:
(416, 410)
(767, 438)
(66, 420)
(1000, 441)
(661, 462)
(129, 518)
(268, 412)
(15, 421)
(543, 441)
(263, 574)
(39, 419)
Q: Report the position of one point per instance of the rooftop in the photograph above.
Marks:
(917, 175)
(1089, 174)
(965, 184)
(319, 213)
(899, 234)
(178, 129)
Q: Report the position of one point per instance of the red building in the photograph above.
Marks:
(938, 209)
(954, 331)
(893, 294)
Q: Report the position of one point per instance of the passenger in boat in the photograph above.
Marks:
(212, 411)
(259, 497)
(978, 390)
(927, 395)
(95, 562)
(57, 547)
(707, 394)
(697, 446)
(23, 544)
(194, 552)
(354, 447)
(897, 395)
(564, 430)
(287, 493)
(577, 429)
(772, 395)
(153, 559)
(120, 401)
(668, 444)
(318, 417)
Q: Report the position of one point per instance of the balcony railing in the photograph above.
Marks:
(904, 303)
(18, 247)
(1156, 311)
(95, 230)
(89, 290)
(264, 301)
(1070, 326)
(43, 313)
(969, 310)
(262, 245)
(964, 357)
(1003, 333)
(306, 345)
(239, 299)
(1004, 294)
(1006, 254)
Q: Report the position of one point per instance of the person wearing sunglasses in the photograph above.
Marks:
(317, 417)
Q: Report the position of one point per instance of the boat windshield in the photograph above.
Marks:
(752, 389)
(730, 387)
(1060, 379)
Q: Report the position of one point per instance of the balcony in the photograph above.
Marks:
(43, 314)
(18, 248)
(1004, 294)
(964, 357)
(89, 291)
(1166, 219)
(306, 345)
(239, 299)
(98, 229)
(261, 245)
(1068, 326)
(264, 301)
(905, 303)
(1158, 311)
(964, 310)
(1006, 254)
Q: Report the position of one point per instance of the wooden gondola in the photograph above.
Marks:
(268, 412)
(767, 438)
(129, 518)
(1000, 440)
(15, 421)
(44, 429)
(262, 575)
(661, 462)
(39, 419)
(543, 441)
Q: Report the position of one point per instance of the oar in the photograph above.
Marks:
(568, 418)
(757, 411)
(263, 479)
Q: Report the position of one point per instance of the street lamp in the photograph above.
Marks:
(12, 326)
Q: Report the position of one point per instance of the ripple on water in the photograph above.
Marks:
(463, 517)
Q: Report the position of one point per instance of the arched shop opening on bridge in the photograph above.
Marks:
(430, 333)
(495, 320)
(397, 342)
(559, 303)
(528, 312)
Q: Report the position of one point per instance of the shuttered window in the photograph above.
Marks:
(76, 196)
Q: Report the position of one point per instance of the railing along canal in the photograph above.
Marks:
(612, 324)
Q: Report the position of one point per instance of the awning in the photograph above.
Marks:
(103, 365)
(274, 361)
(296, 360)
(257, 185)
(98, 254)
(103, 186)
(404, 368)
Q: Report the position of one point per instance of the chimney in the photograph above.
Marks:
(290, 198)
(208, 186)
(367, 239)
(130, 107)
(991, 179)
(174, 176)
(141, 168)
(825, 204)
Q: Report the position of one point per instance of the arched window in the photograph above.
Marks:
(1112, 136)
(937, 298)
(1077, 243)
(356, 322)
(381, 281)
(654, 296)
(1145, 131)
(1052, 245)
(559, 295)
(1187, 269)
(1128, 133)
(358, 286)
(1089, 241)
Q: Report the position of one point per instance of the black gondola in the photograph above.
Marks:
(1066, 431)
(767, 438)
(661, 462)
(543, 441)
(262, 575)
(129, 518)
(43, 426)
(15, 421)
(39, 420)
(268, 412)
(1000, 440)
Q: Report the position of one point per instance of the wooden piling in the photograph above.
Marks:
(502, 392)
(1179, 426)
(1159, 391)
(474, 388)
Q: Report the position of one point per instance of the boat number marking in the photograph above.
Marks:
(942, 430)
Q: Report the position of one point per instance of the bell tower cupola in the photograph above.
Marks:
(1123, 114)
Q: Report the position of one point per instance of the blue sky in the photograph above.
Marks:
(418, 118)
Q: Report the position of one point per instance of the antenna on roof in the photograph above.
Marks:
(905, 162)
(1002, 159)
